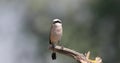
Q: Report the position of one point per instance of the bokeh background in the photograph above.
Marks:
(89, 25)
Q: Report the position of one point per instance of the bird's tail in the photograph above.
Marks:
(53, 56)
(53, 53)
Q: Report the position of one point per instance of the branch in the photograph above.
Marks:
(81, 58)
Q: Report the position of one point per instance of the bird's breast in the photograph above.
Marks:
(56, 34)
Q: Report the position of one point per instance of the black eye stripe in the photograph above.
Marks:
(56, 22)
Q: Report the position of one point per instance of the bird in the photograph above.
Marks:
(55, 35)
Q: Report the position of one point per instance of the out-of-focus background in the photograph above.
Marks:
(89, 25)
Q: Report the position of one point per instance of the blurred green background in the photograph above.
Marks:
(88, 25)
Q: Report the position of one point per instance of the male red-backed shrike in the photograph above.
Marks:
(55, 35)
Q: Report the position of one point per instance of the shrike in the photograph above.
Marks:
(55, 35)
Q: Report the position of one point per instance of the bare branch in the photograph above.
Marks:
(81, 58)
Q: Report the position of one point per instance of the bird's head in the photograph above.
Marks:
(57, 21)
